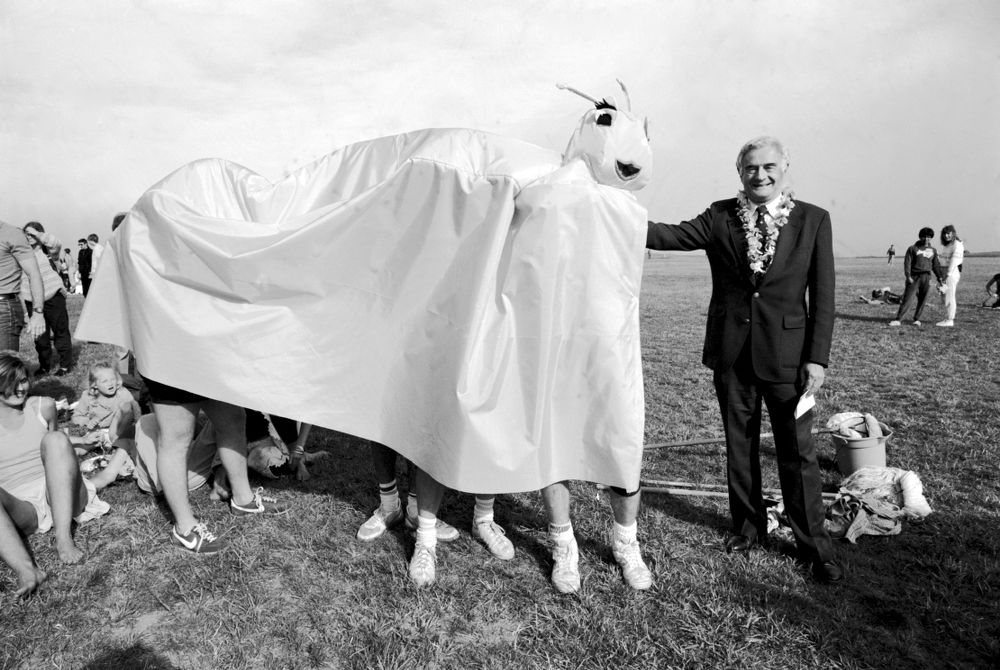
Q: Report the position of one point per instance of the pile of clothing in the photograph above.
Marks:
(874, 501)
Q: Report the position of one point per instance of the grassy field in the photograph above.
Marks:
(300, 592)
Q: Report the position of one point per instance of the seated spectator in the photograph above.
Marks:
(105, 407)
(40, 483)
(993, 291)
(287, 436)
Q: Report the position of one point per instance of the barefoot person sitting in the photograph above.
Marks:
(40, 483)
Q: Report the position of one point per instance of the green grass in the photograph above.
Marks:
(301, 592)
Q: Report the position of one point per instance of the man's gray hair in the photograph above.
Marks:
(758, 142)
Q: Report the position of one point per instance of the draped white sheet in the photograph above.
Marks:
(458, 296)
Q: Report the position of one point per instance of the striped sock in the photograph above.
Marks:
(389, 496)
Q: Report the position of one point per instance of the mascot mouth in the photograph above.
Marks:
(626, 171)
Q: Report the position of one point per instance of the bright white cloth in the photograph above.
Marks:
(458, 296)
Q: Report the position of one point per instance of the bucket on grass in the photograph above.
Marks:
(854, 453)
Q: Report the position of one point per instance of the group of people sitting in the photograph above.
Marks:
(44, 484)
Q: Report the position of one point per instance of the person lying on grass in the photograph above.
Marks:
(40, 483)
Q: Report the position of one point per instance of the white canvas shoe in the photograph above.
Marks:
(422, 565)
(947, 323)
(566, 570)
(495, 539)
(629, 557)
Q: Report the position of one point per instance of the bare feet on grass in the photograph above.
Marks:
(29, 581)
(68, 551)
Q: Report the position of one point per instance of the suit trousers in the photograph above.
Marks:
(741, 393)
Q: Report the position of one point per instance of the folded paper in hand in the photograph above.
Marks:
(806, 403)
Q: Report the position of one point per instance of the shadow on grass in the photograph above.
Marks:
(137, 657)
(927, 597)
(883, 318)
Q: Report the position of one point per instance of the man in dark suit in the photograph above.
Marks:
(83, 259)
(770, 323)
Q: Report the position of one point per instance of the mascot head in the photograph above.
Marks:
(613, 143)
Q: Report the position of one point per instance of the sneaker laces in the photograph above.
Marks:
(562, 554)
(260, 498)
(629, 554)
(423, 558)
(203, 532)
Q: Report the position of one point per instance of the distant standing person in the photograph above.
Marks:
(17, 257)
(69, 263)
(83, 259)
(920, 261)
(97, 250)
(891, 252)
(53, 306)
(952, 254)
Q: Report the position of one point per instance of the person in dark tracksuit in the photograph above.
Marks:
(919, 264)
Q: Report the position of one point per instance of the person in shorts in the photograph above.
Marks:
(176, 412)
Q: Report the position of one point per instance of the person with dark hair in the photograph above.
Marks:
(83, 261)
(890, 253)
(920, 262)
(53, 306)
(952, 254)
(40, 482)
(767, 340)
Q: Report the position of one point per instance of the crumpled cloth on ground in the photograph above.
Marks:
(874, 501)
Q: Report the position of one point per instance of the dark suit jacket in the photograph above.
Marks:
(788, 313)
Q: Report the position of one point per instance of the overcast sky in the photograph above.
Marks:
(891, 108)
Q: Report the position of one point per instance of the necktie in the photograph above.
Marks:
(762, 233)
(762, 223)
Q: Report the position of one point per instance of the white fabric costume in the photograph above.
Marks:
(465, 299)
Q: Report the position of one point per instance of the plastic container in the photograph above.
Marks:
(854, 453)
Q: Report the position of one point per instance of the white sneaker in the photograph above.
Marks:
(947, 323)
(629, 557)
(445, 531)
(917, 323)
(566, 568)
(422, 565)
(895, 322)
(495, 539)
(379, 522)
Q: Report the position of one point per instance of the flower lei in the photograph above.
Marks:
(760, 250)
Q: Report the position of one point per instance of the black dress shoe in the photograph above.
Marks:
(62, 372)
(828, 572)
(738, 544)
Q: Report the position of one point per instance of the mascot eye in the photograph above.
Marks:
(604, 120)
(627, 170)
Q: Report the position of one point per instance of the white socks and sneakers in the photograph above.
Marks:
(565, 558)
(625, 547)
(424, 561)
(489, 532)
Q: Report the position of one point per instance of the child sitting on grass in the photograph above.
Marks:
(106, 414)
(40, 482)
